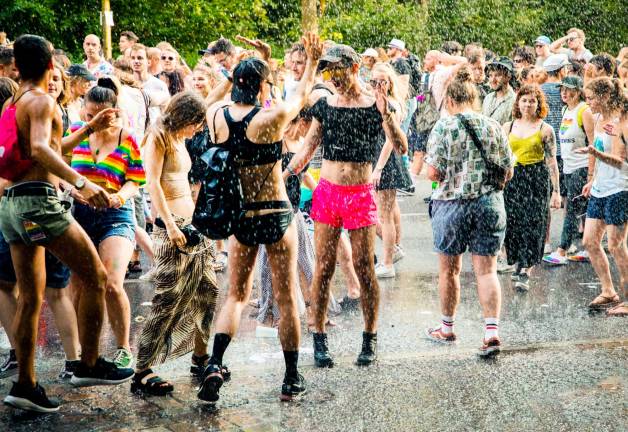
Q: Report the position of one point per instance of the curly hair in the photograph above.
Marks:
(534, 90)
(610, 87)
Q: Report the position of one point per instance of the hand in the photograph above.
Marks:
(176, 236)
(376, 177)
(585, 150)
(78, 197)
(555, 200)
(381, 101)
(94, 195)
(104, 119)
(115, 201)
(262, 47)
(313, 46)
(586, 190)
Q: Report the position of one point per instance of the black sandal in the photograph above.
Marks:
(154, 386)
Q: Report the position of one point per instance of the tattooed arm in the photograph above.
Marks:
(549, 145)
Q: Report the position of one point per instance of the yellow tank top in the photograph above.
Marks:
(528, 150)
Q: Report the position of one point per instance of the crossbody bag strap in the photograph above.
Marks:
(473, 135)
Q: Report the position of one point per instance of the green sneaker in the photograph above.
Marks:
(123, 358)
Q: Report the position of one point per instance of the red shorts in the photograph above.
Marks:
(344, 206)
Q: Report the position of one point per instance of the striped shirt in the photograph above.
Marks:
(120, 166)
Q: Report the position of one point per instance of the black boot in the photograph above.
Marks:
(293, 388)
(369, 349)
(322, 358)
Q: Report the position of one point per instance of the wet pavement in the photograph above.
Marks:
(562, 368)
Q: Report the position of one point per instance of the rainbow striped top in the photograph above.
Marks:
(122, 165)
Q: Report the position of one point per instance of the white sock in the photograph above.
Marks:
(491, 326)
(447, 324)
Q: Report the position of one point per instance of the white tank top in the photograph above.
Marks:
(572, 136)
(608, 180)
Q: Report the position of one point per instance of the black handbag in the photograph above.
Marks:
(495, 175)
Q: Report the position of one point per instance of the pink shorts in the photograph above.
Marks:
(344, 206)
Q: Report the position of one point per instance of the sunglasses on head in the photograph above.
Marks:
(167, 58)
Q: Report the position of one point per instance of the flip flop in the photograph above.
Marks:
(621, 310)
(605, 303)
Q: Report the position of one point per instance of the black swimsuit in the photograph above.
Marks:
(267, 228)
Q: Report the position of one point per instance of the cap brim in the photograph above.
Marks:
(569, 86)
(203, 52)
(324, 63)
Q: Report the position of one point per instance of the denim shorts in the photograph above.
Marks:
(477, 224)
(111, 222)
(417, 141)
(612, 209)
(57, 274)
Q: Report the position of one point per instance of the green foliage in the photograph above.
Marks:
(190, 25)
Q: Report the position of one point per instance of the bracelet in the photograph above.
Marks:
(89, 130)
(122, 200)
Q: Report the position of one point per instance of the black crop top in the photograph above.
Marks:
(349, 134)
(248, 153)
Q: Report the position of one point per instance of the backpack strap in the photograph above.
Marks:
(146, 104)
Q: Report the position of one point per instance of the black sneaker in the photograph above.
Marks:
(9, 367)
(30, 399)
(293, 388)
(212, 382)
(68, 369)
(522, 284)
(369, 349)
(322, 358)
(104, 372)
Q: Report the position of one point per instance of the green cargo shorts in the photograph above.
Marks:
(32, 213)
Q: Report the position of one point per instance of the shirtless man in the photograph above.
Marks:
(32, 220)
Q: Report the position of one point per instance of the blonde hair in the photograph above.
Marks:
(393, 80)
(65, 89)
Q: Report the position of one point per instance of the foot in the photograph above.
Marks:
(384, 272)
(293, 388)
(522, 284)
(603, 302)
(212, 382)
(369, 349)
(504, 267)
(555, 259)
(621, 310)
(103, 372)
(436, 334)
(68, 369)
(149, 383)
(30, 399)
(123, 358)
(490, 347)
(9, 367)
(398, 254)
(322, 358)
(580, 256)
(349, 304)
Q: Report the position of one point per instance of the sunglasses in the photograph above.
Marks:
(167, 58)
(376, 83)
(571, 39)
(329, 74)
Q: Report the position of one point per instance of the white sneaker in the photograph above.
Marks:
(555, 259)
(383, 272)
(504, 267)
(547, 249)
(398, 254)
(572, 250)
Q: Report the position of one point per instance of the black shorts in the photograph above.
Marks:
(417, 141)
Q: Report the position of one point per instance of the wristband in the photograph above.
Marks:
(89, 130)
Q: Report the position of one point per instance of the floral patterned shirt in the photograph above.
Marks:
(452, 152)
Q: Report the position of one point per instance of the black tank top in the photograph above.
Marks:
(248, 153)
(350, 134)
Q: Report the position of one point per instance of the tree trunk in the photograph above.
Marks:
(309, 17)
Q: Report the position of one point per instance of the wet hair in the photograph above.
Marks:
(393, 79)
(534, 90)
(577, 68)
(297, 47)
(461, 89)
(174, 81)
(104, 92)
(32, 56)
(222, 45)
(610, 87)
(604, 61)
(8, 87)
(62, 59)
(184, 109)
(525, 52)
(62, 99)
(129, 35)
(451, 47)
(6, 55)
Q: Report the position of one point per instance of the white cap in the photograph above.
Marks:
(555, 62)
(370, 52)
(397, 43)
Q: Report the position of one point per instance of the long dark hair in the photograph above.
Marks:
(174, 80)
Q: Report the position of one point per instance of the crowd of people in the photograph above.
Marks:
(105, 160)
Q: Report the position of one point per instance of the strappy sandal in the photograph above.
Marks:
(621, 310)
(154, 386)
(603, 302)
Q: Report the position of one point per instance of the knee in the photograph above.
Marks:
(590, 244)
(616, 247)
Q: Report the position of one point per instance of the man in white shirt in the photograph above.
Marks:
(575, 46)
(97, 65)
(155, 89)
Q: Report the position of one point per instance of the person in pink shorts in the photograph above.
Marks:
(351, 126)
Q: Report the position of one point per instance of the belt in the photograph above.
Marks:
(31, 189)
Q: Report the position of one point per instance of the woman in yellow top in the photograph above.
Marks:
(528, 194)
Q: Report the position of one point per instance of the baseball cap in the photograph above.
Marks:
(555, 62)
(205, 51)
(247, 80)
(397, 43)
(543, 40)
(572, 82)
(343, 54)
(500, 63)
(78, 70)
(370, 52)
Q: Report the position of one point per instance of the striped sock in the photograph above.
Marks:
(447, 324)
(491, 326)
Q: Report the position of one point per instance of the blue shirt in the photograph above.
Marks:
(555, 107)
